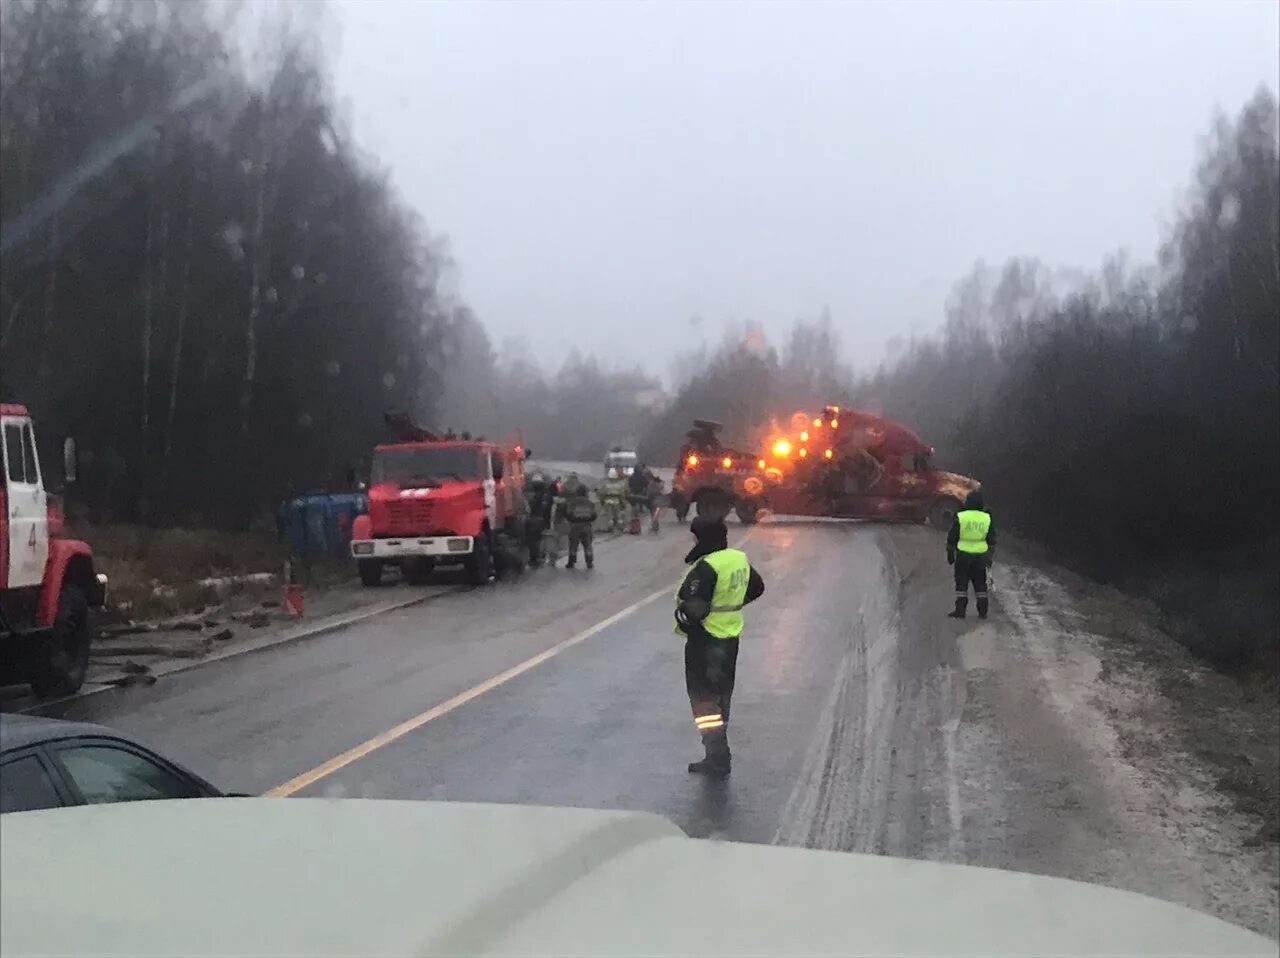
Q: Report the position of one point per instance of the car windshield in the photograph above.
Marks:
(317, 343)
(426, 465)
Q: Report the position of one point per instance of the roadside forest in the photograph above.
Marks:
(207, 284)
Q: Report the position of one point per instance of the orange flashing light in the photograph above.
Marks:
(835, 424)
(782, 448)
(817, 424)
(803, 453)
(804, 437)
(761, 463)
(726, 462)
(692, 460)
(829, 454)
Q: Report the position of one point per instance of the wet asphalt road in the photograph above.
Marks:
(604, 723)
(863, 719)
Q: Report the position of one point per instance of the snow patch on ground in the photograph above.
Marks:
(1111, 693)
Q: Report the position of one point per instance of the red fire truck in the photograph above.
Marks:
(438, 499)
(47, 581)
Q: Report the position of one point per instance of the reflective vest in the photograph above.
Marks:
(733, 571)
(974, 526)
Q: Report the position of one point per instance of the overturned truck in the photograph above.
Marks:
(847, 464)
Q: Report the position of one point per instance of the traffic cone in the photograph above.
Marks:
(291, 597)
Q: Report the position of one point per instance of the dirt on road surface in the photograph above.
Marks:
(1066, 735)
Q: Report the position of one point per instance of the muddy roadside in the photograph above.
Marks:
(1230, 720)
(1192, 753)
(180, 597)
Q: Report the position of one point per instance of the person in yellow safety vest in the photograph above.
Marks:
(709, 614)
(971, 546)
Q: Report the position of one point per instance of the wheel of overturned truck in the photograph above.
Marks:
(480, 563)
(748, 511)
(942, 512)
(60, 663)
(370, 571)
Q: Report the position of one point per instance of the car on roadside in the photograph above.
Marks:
(262, 876)
(49, 763)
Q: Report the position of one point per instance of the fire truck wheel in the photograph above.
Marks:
(370, 572)
(748, 511)
(480, 562)
(942, 512)
(61, 663)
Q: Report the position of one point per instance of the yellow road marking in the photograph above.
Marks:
(325, 769)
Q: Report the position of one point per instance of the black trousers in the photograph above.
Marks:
(710, 667)
(971, 570)
(581, 534)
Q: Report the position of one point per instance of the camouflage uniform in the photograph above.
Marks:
(581, 513)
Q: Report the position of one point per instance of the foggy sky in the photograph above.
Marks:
(607, 172)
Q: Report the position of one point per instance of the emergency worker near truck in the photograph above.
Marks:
(581, 513)
(971, 546)
(709, 603)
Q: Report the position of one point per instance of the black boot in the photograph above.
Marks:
(962, 603)
(982, 606)
(718, 760)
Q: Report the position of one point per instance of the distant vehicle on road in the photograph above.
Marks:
(48, 582)
(263, 876)
(48, 763)
(439, 499)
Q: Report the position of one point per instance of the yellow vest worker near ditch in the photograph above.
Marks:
(709, 614)
(971, 545)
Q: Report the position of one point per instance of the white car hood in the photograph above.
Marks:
(350, 877)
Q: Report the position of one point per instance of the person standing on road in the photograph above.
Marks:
(971, 545)
(581, 512)
(709, 614)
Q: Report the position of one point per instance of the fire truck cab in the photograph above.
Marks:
(436, 501)
(47, 581)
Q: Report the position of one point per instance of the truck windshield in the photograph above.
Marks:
(427, 464)
(619, 465)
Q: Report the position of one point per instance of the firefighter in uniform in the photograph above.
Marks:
(971, 546)
(709, 605)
